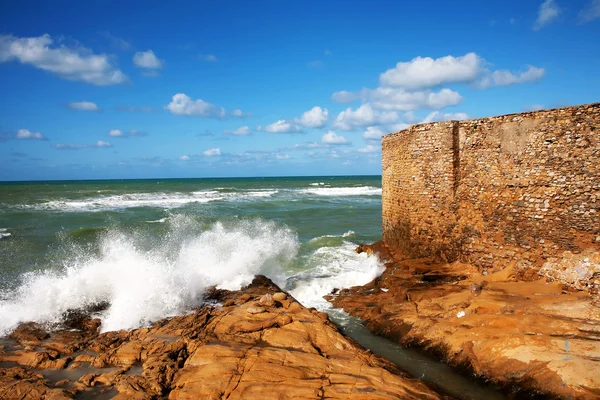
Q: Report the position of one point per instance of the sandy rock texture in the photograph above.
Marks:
(532, 337)
(257, 343)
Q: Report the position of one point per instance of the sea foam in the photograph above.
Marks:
(343, 191)
(143, 285)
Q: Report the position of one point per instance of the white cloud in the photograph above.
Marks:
(332, 138)
(316, 117)
(208, 57)
(425, 72)
(548, 12)
(364, 115)
(26, 134)
(438, 116)
(147, 59)
(83, 106)
(282, 126)
(241, 131)
(115, 133)
(398, 99)
(184, 158)
(212, 152)
(315, 64)
(121, 134)
(98, 144)
(420, 73)
(101, 143)
(534, 107)
(398, 127)
(590, 12)
(343, 96)
(75, 64)
(373, 133)
(237, 113)
(370, 149)
(282, 156)
(505, 78)
(181, 104)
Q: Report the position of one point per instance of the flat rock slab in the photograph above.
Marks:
(534, 337)
(284, 351)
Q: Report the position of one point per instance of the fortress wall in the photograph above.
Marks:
(520, 189)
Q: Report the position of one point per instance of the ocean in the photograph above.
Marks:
(150, 248)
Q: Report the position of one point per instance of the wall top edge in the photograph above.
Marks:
(524, 115)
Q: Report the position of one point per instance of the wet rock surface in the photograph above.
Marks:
(533, 338)
(260, 344)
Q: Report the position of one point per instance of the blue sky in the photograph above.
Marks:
(128, 89)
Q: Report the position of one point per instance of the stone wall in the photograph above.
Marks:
(520, 189)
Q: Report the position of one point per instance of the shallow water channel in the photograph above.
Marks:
(417, 365)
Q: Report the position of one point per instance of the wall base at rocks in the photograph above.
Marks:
(520, 189)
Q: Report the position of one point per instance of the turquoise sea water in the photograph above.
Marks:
(149, 248)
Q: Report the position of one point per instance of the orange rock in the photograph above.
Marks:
(224, 352)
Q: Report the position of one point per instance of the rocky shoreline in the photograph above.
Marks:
(255, 343)
(531, 337)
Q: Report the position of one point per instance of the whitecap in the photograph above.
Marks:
(142, 286)
(343, 191)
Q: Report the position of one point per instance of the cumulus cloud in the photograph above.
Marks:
(409, 86)
(438, 116)
(370, 149)
(212, 152)
(373, 133)
(26, 134)
(241, 131)
(426, 72)
(124, 134)
(181, 104)
(281, 126)
(208, 57)
(343, 96)
(184, 158)
(237, 113)
(364, 115)
(590, 12)
(332, 138)
(398, 99)
(548, 12)
(75, 64)
(147, 59)
(316, 117)
(98, 144)
(505, 78)
(282, 156)
(83, 106)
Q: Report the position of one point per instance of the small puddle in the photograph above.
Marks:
(417, 365)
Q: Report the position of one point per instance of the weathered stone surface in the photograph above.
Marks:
(214, 353)
(517, 189)
(537, 336)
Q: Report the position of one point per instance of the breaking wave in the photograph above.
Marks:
(144, 283)
(157, 199)
(343, 191)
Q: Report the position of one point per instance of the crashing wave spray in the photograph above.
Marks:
(143, 285)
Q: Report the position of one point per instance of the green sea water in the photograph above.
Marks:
(150, 247)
